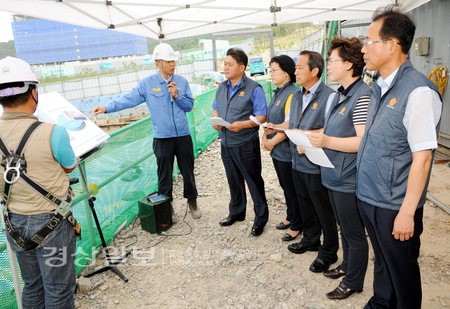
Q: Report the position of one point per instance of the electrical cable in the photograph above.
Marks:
(133, 226)
(185, 222)
(165, 236)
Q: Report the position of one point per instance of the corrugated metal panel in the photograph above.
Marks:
(432, 20)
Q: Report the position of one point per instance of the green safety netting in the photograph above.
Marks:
(124, 170)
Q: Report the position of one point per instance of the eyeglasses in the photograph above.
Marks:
(367, 42)
(331, 60)
(273, 70)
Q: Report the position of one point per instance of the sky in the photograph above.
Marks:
(5, 26)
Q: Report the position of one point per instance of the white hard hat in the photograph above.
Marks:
(14, 70)
(164, 51)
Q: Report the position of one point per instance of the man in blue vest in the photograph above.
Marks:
(308, 108)
(237, 99)
(394, 160)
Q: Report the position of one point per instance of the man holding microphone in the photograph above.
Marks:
(168, 98)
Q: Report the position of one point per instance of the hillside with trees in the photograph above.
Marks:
(7, 49)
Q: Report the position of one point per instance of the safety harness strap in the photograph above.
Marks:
(23, 141)
(18, 152)
(40, 236)
(3, 148)
(60, 204)
(63, 207)
(26, 136)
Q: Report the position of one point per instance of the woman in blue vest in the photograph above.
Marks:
(282, 73)
(344, 127)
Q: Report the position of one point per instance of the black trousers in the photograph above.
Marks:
(243, 163)
(284, 173)
(396, 280)
(166, 149)
(317, 215)
(353, 237)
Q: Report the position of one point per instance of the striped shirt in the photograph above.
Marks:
(360, 112)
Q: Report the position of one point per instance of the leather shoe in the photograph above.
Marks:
(319, 265)
(282, 226)
(289, 237)
(229, 221)
(334, 273)
(299, 248)
(342, 292)
(257, 230)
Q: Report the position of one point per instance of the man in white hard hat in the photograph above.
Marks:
(169, 98)
(40, 234)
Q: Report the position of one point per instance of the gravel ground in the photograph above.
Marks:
(203, 265)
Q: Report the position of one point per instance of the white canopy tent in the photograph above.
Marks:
(173, 19)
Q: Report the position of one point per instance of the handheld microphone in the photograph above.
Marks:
(170, 93)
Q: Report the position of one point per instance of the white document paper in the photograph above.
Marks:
(255, 120)
(84, 134)
(276, 129)
(315, 155)
(219, 122)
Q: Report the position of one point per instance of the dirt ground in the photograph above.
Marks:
(198, 264)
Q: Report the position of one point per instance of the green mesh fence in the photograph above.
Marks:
(124, 170)
(7, 294)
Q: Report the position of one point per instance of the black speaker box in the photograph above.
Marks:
(155, 213)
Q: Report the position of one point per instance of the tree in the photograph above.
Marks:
(7, 49)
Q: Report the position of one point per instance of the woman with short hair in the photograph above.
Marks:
(282, 73)
(342, 133)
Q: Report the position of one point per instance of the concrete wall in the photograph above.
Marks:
(117, 83)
